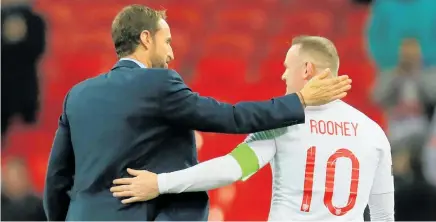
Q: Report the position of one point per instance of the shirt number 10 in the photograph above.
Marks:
(330, 181)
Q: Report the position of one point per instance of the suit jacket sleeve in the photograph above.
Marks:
(182, 106)
(60, 172)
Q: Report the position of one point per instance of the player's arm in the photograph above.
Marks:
(245, 160)
(381, 201)
(181, 106)
(429, 155)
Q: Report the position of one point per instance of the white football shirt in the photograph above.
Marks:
(327, 168)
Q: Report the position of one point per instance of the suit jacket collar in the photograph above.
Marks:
(126, 63)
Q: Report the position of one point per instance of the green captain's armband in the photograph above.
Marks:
(246, 159)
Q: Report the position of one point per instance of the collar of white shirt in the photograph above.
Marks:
(135, 61)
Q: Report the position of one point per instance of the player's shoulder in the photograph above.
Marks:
(351, 110)
(267, 134)
(356, 114)
(371, 127)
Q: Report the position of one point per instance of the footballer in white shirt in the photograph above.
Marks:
(329, 168)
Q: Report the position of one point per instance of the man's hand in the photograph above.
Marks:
(321, 89)
(142, 187)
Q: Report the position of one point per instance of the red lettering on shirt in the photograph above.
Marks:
(333, 128)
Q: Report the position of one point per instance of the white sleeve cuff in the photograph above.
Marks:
(381, 207)
(161, 183)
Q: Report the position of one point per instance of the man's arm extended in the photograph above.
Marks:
(241, 163)
(60, 171)
(181, 106)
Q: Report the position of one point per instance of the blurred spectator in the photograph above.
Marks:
(17, 199)
(23, 41)
(408, 94)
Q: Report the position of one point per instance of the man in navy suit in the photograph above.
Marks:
(141, 115)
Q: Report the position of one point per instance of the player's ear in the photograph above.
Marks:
(309, 70)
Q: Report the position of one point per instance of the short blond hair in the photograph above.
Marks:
(320, 51)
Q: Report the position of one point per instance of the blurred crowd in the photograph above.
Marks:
(407, 94)
(22, 44)
(402, 48)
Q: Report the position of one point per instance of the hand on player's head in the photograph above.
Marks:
(142, 187)
(324, 88)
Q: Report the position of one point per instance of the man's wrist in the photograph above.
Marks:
(300, 96)
(161, 183)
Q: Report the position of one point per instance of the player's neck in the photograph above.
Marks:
(323, 107)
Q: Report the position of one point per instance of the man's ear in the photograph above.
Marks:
(145, 39)
(309, 70)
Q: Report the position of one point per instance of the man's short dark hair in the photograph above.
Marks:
(128, 25)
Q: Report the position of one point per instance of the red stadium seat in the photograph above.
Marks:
(224, 73)
(266, 5)
(99, 16)
(180, 42)
(362, 76)
(218, 69)
(77, 67)
(352, 47)
(188, 18)
(356, 19)
(201, 6)
(269, 84)
(175, 64)
(248, 20)
(309, 22)
(272, 70)
(279, 45)
(39, 167)
(329, 5)
(229, 45)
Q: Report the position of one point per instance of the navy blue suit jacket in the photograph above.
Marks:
(142, 119)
